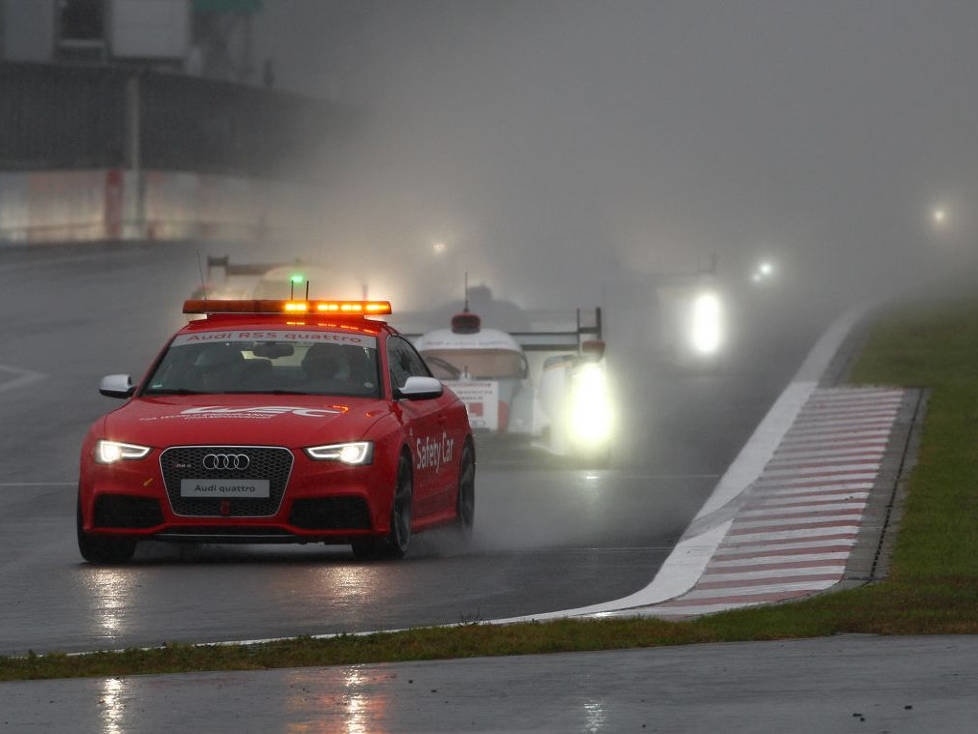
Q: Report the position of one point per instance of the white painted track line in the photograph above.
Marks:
(837, 489)
(834, 568)
(782, 511)
(810, 502)
(789, 534)
(762, 560)
(793, 545)
(775, 588)
(803, 470)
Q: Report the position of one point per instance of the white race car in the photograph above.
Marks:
(550, 386)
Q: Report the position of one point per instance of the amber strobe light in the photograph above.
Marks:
(352, 308)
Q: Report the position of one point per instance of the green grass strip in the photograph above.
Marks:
(932, 587)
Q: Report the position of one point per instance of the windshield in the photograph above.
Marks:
(475, 364)
(221, 363)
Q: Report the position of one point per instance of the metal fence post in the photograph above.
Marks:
(134, 155)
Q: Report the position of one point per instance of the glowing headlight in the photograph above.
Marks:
(706, 328)
(358, 452)
(109, 452)
(590, 413)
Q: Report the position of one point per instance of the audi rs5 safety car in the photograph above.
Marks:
(277, 421)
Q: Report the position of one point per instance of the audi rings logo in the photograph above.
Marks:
(238, 462)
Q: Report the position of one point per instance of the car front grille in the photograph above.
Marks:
(186, 462)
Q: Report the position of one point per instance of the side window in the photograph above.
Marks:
(404, 362)
(397, 361)
(415, 362)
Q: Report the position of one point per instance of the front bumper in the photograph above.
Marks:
(318, 501)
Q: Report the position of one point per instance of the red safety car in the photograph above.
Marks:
(277, 421)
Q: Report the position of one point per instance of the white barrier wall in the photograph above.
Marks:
(50, 206)
(66, 206)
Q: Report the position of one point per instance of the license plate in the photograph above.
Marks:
(257, 488)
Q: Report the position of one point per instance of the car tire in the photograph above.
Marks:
(395, 543)
(466, 493)
(103, 549)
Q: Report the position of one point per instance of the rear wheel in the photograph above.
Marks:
(395, 543)
(102, 548)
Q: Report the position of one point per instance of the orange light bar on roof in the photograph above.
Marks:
(339, 308)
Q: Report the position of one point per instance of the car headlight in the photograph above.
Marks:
(706, 333)
(706, 327)
(357, 452)
(109, 452)
(590, 409)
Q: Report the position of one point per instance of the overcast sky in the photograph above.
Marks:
(553, 140)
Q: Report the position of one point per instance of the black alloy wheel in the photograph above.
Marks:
(102, 549)
(466, 492)
(400, 533)
(395, 543)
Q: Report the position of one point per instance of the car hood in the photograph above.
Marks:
(268, 420)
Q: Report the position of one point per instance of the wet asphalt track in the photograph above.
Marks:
(548, 537)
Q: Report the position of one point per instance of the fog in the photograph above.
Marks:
(553, 145)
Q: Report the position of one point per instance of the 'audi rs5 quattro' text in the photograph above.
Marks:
(277, 421)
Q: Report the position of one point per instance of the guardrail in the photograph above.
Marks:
(114, 205)
(162, 231)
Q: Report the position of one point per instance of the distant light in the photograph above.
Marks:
(939, 215)
(764, 271)
(439, 247)
(297, 279)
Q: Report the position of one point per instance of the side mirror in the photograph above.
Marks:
(116, 386)
(420, 388)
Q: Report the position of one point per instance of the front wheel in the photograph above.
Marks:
(102, 549)
(466, 492)
(395, 543)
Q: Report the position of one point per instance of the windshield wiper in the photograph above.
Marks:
(171, 391)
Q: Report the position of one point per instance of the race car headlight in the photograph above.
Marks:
(706, 328)
(109, 452)
(358, 452)
(590, 413)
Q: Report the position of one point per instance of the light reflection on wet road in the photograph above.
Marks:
(844, 683)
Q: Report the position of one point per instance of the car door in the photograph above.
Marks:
(431, 447)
